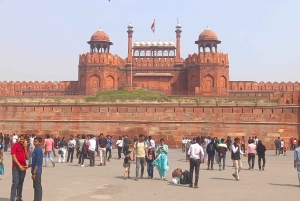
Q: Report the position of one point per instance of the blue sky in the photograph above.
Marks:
(41, 40)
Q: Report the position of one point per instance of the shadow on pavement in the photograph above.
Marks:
(290, 185)
(223, 179)
(4, 199)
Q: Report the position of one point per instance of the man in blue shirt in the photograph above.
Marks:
(110, 143)
(297, 160)
(36, 169)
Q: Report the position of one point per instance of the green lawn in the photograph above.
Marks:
(130, 96)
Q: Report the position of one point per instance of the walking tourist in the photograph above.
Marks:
(110, 144)
(221, 150)
(126, 165)
(211, 150)
(20, 153)
(6, 142)
(235, 156)
(71, 147)
(1, 160)
(126, 143)
(161, 162)
(292, 145)
(228, 142)
(139, 154)
(119, 144)
(14, 139)
(150, 143)
(78, 137)
(31, 148)
(92, 149)
(53, 148)
(48, 144)
(277, 143)
(102, 148)
(36, 169)
(243, 144)
(251, 154)
(62, 150)
(261, 150)
(281, 148)
(150, 158)
(196, 154)
(297, 160)
(81, 150)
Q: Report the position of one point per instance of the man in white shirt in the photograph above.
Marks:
(235, 156)
(31, 147)
(14, 139)
(196, 154)
(92, 148)
(151, 143)
(71, 147)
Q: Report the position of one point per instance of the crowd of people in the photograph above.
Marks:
(146, 153)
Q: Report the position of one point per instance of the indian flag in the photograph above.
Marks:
(153, 26)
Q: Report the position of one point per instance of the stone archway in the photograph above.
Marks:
(110, 82)
(222, 82)
(95, 81)
(208, 83)
(82, 81)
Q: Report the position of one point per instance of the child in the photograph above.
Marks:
(126, 165)
(150, 159)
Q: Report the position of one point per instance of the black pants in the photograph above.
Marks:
(37, 186)
(259, 161)
(108, 151)
(194, 164)
(92, 158)
(119, 151)
(125, 149)
(251, 158)
(70, 153)
(211, 158)
(81, 158)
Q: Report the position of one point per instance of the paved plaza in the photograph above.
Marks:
(68, 182)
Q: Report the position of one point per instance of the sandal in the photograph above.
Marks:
(165, 179)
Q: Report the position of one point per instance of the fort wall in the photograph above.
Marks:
(168, 121)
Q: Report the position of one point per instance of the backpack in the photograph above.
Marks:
(177, 173)
(210, 147)
(185, 177)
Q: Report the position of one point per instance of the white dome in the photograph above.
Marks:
(166, 43)
(154, 43)
(136, 43)
(148, 43)
(171, 43)
(130, 25)
(178, 26)
(143, 43)
(160, 43)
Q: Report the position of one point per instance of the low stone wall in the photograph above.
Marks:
(168, 121)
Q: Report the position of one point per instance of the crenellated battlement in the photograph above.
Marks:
(31, 88)
(101, 58)
(153, 62)
(262, 86)
(209, 57)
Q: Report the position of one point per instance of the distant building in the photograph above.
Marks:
(154, 66)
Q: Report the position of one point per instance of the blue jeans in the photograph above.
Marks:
(18, 177)
(298, 170)
(48, 155)
(220, 161)
(5, 147)
(150, 169)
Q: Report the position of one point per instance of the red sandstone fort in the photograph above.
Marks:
(155, 66)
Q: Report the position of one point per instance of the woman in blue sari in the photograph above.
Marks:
(161, 162)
